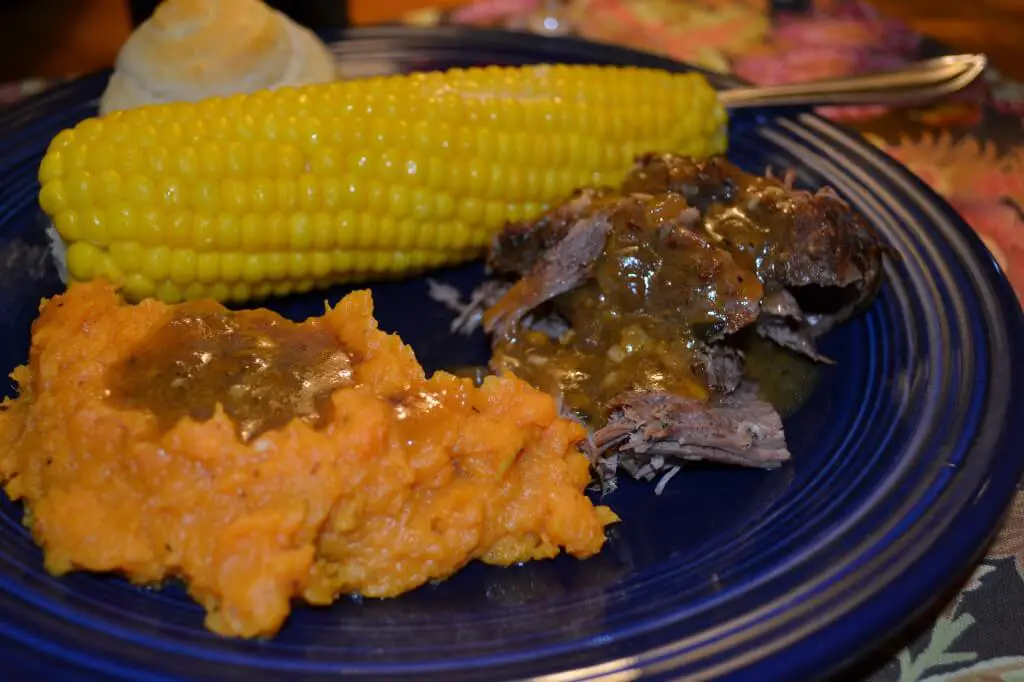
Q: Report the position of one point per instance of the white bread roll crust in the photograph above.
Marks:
(192, 49)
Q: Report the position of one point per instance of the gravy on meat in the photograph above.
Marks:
(656, 290)
(691, 251)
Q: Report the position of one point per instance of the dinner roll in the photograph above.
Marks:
(192, 49)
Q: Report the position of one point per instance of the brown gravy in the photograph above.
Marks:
(657, 290)
(786, 380)
(586, 382)
(262, 369)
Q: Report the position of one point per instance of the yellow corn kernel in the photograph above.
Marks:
(107, 269)
(298, 265)
(262, 290)
(241, 292)
(70, 223)
(461, 236)
(322, 232)
(120, 225)
(219, 291)
(204, 232)
(254, 234)
(169, 291)
(158, 159)
(195, 291)
(254, 267)
(320, 264)
(186, 162)
(234, 195)
(128, 256)
(471, 211)
(231, 266)
(300, 232)
(205, 197)
(183, 266)
(283, 288)
(83, 260)
(53, 197)
(63, 139)
(262, 197)
(177, 225)
(276, 231)
(280, 191)
(78, 187)
(95, 227)
(137, 286)
(207, 267)
(76, 156)
(109, 187)
(287, 195)
(156, 263)
(275, 266)
(363, 261)
(229, 231)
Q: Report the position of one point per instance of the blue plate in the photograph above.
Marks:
(902, 464)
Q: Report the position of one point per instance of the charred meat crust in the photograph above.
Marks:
(720, 365)
(818, 261)
(820, 246)
(784, 322)
(820, 241)
(559, 269)
(516, 249)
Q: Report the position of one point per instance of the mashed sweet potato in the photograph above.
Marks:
(385, 481)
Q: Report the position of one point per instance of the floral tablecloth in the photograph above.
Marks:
(969, 148)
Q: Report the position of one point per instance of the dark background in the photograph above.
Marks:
(55, 38)
(313, 13)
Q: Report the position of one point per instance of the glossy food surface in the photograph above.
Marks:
(653, 290)
(283, 190)
(262, 369)
(405, 479)
(652, 283)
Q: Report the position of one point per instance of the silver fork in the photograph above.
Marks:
(918, 82)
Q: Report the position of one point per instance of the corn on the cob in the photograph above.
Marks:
(274, 192)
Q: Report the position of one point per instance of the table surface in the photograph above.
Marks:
(58, 37)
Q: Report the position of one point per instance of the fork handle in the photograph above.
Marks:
(915, 83)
